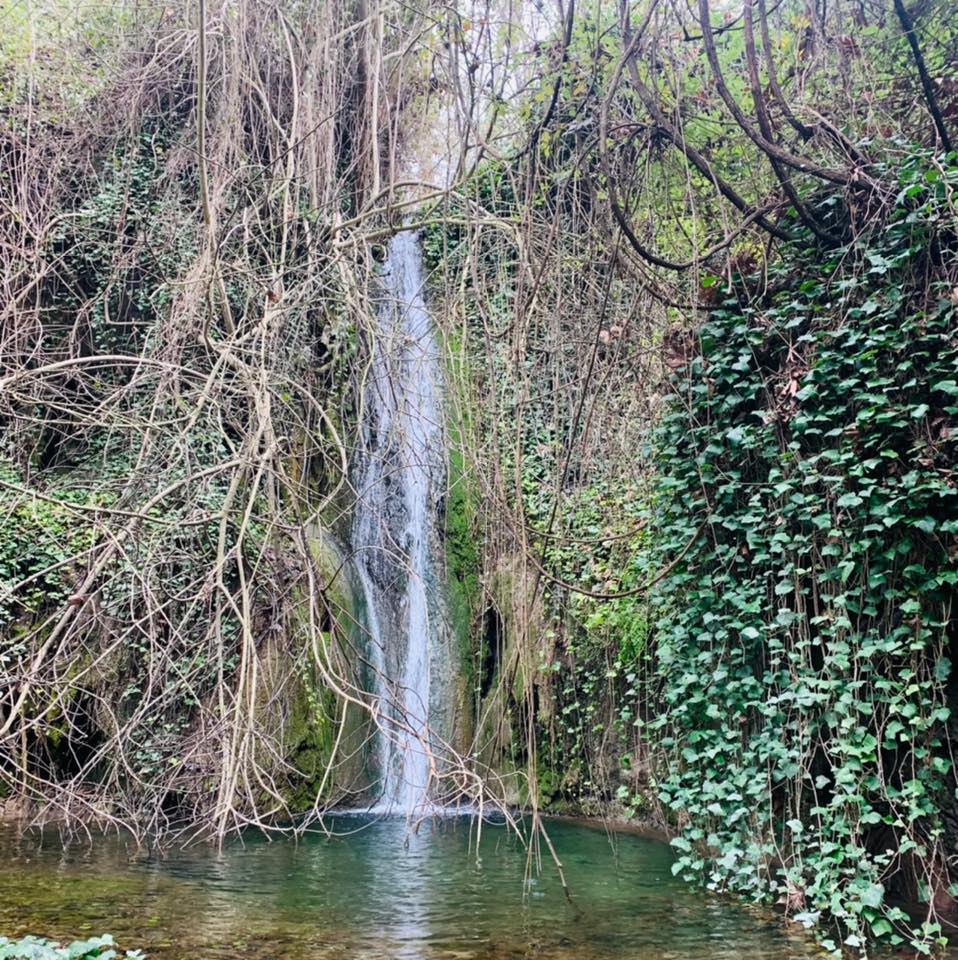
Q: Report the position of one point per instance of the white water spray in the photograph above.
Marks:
(396, 540)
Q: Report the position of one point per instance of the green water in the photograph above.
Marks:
(380, 893)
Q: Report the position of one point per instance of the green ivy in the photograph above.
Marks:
(807, 486)
(39, 948)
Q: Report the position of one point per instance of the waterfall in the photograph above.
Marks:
(395, 537)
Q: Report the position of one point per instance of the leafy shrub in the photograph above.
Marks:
(37, 948)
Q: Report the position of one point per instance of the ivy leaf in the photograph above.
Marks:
(881, 927)
(872, 895)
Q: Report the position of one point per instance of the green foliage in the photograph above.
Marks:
(450, 241)
(36, 537)
(37, 66)
(126, 247)
(38, 948)
(807, 486)
(586, 527)
(47, 533)
(602, 629)
(462, 557)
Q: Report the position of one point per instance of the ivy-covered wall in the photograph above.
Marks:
(804, 637)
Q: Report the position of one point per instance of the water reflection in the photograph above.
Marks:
(382, 893)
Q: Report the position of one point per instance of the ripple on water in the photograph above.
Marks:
(379, 893)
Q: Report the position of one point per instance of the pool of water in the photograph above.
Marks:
(375, 892)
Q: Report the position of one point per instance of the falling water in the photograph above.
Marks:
(395, 535)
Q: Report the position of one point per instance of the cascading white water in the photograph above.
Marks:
(395, 535)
